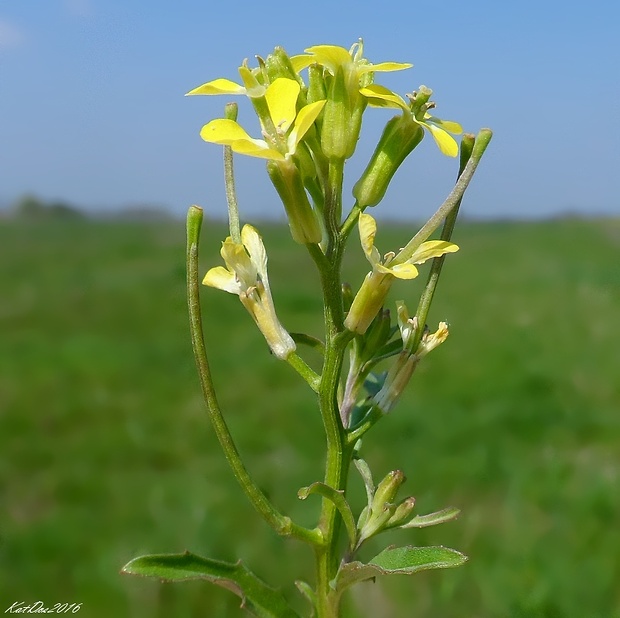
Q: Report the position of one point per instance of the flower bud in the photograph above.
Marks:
(401, 513)
(400, 136)
(381, 509)
(376, 522)
(387, 490)
(302, 219)
(316, 84)
(342, 115)
(278, 64)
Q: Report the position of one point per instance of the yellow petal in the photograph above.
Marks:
(444, 141)
(230, 133)
(281, 97)
(253, 242)
(222, 279)
(301, 62)
(330, 56)
(385, 66)
(400, 271)
(446, 125)
(431, 249)
(256, 148)
(240, 263)
(304, 120)
(218, 86)
(379, 96)
(223, 131)
(368, 231)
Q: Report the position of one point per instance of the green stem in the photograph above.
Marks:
(350, 221)
(281, 524)
(336, 339)
(306, 372)
(229, 181)
(482, 141)
(426, 299)
(333, 204)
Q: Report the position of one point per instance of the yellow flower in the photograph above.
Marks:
(344, 73)
(332, 57)
(371, 296)
(378, 96)
(289, 126)
(283, 128)
(246, 275)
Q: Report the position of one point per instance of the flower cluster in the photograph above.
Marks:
(309, 127)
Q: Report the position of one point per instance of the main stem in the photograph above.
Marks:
(336, 338)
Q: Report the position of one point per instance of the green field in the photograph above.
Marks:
(106, 451)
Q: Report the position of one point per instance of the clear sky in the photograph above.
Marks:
(92, 108)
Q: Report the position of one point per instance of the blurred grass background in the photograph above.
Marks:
(107, 452)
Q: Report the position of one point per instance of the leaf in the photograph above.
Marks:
(410, 560)
(432, 519)
(398, 561)
(366, 474)
(309, 593)
(256, 596)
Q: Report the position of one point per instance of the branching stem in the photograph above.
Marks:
(281, 524)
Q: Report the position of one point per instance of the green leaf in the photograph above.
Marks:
(256, 596)
(408, 560)
(432, 519)
(309, 593)
(398, 561)
(366, 474)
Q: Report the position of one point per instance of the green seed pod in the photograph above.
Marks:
(400, 136)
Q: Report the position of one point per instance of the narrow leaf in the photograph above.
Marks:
(256, 596)
(308, 593)
(432, 519)
(398, 560)
(410, 560)
(366, 474)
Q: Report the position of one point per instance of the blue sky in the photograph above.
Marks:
(92, 108)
